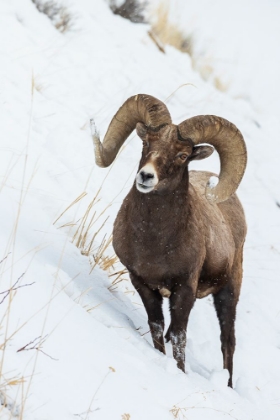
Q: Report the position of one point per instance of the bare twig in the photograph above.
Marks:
(32, 342)
(155, 39)
(14, 288)
(37, 345)
(5, 257)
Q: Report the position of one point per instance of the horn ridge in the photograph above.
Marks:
(138, 108)
(230, 145)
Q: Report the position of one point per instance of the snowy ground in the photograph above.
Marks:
(94, 359)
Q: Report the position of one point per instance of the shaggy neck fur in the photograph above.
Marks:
(159, 211)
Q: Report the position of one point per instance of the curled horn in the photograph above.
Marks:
(229, 143)
(140, 108)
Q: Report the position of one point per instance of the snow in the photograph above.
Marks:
(213, 181)
(95, 359)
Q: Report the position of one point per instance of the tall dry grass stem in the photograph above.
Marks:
(12, 242)
(70, 205)
(111, 370)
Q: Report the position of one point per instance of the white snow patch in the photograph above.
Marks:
(213, 181)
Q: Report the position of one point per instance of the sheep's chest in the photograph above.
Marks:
(154, 248)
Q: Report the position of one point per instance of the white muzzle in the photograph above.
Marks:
(146, 179)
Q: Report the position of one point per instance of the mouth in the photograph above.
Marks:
(143, 188)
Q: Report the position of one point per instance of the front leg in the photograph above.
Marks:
(152, 301)
(181, 303)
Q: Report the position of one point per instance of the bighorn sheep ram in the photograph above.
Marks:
(179, 235)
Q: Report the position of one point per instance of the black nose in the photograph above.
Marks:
(146, 175)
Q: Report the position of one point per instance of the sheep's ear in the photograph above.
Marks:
(201, 152)
(141, 130)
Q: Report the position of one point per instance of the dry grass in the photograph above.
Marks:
(221, 85)
(6, 404)
(89, 411)
(167, 33)
(12, 285)
(98, 256)
(85, 238)
(206, 68)
(7, 295)
(177, 412)
(22, 384)
(117, 278)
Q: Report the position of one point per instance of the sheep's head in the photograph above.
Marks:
(165, 157)
(167, 148)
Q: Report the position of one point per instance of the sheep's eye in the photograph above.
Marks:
(145, 143)
(183, 156)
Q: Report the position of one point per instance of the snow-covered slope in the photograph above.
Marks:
(94, 357)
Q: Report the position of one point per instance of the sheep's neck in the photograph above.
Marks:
(162, 212)
(150, 229)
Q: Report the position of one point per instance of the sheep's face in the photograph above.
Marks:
(164, 159)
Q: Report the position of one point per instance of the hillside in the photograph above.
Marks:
(74, 337)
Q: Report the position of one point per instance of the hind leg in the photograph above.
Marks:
(225, 302)
(226, 311)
